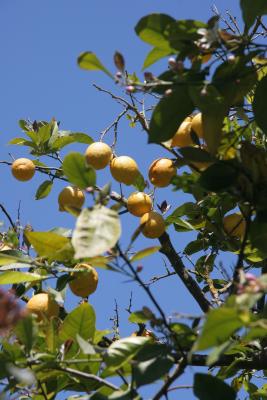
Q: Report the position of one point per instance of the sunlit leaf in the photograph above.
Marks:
(97, 230)
(80, 321)
(77, 171)
(43, 190)
(90, 62)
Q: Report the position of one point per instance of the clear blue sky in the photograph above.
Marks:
(39, 79)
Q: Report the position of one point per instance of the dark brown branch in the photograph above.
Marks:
(8, 216)
(178, 372)
(258, 362)
(168, 250)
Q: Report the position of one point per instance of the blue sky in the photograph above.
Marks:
(39, 43)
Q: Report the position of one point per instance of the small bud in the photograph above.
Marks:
(250, 277)
(139, 268)
(130, 89)
(168, 92)
(118, 75)
(119, 61)
(172, 62)
(231, 58)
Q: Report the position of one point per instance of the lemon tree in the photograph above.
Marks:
(205, 113)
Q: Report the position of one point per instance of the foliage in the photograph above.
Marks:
(225, 172)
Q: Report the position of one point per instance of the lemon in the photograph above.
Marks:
(23, 169)
(139, 203)
(182, 138)
(98, 155)
(161, 172)
(152, 225)
(84, 282)
(234, 225)
(70, 197)
(43, 305)
(124, 169)
(197, 125)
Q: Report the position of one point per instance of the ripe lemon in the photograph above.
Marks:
(234, 225)
(98, 155)
(84, 282)
(182, 138)
(197, 125)
(139, 203)
(70, 197)
(124, 169)
(23, 169)
(43, 305)
(152, 225)
(161, 172)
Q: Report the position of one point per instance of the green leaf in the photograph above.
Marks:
(194, 247)
(97, 230)
(25, 332)
(138, 317)
(10, 277)
(218, 176)
(139, 183)
(151, 370)
(6, 259)
(189, 209)
(21, 142)
(258, 234)
(60, 139)
(43, 190)
(220, 324)
(259, 104)
(183, 33)
(251, 10)
(80, 321)
(234, 79)
(77, 171)
(51, 245)
(196, 154)
(169, 114)
(145, 253)
(90, 62)
(214, 109)
(154, 29)
(208, 387)
(181, 225)
(155, 55)
(123, 350)
(86, 347)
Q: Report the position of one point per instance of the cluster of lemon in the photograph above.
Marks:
(84, 282)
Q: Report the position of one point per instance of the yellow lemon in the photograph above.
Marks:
(43, 305)
(161, 172)
(124, 169)
(98, 155)
(84, 282)
(139, 203)
(234, 225)
(70, 197)
(152, 225)
(182, 138)
(197, 125)
(23, 169)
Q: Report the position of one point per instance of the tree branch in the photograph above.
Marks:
(165, 388)
(168, 250)
(92, 377)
